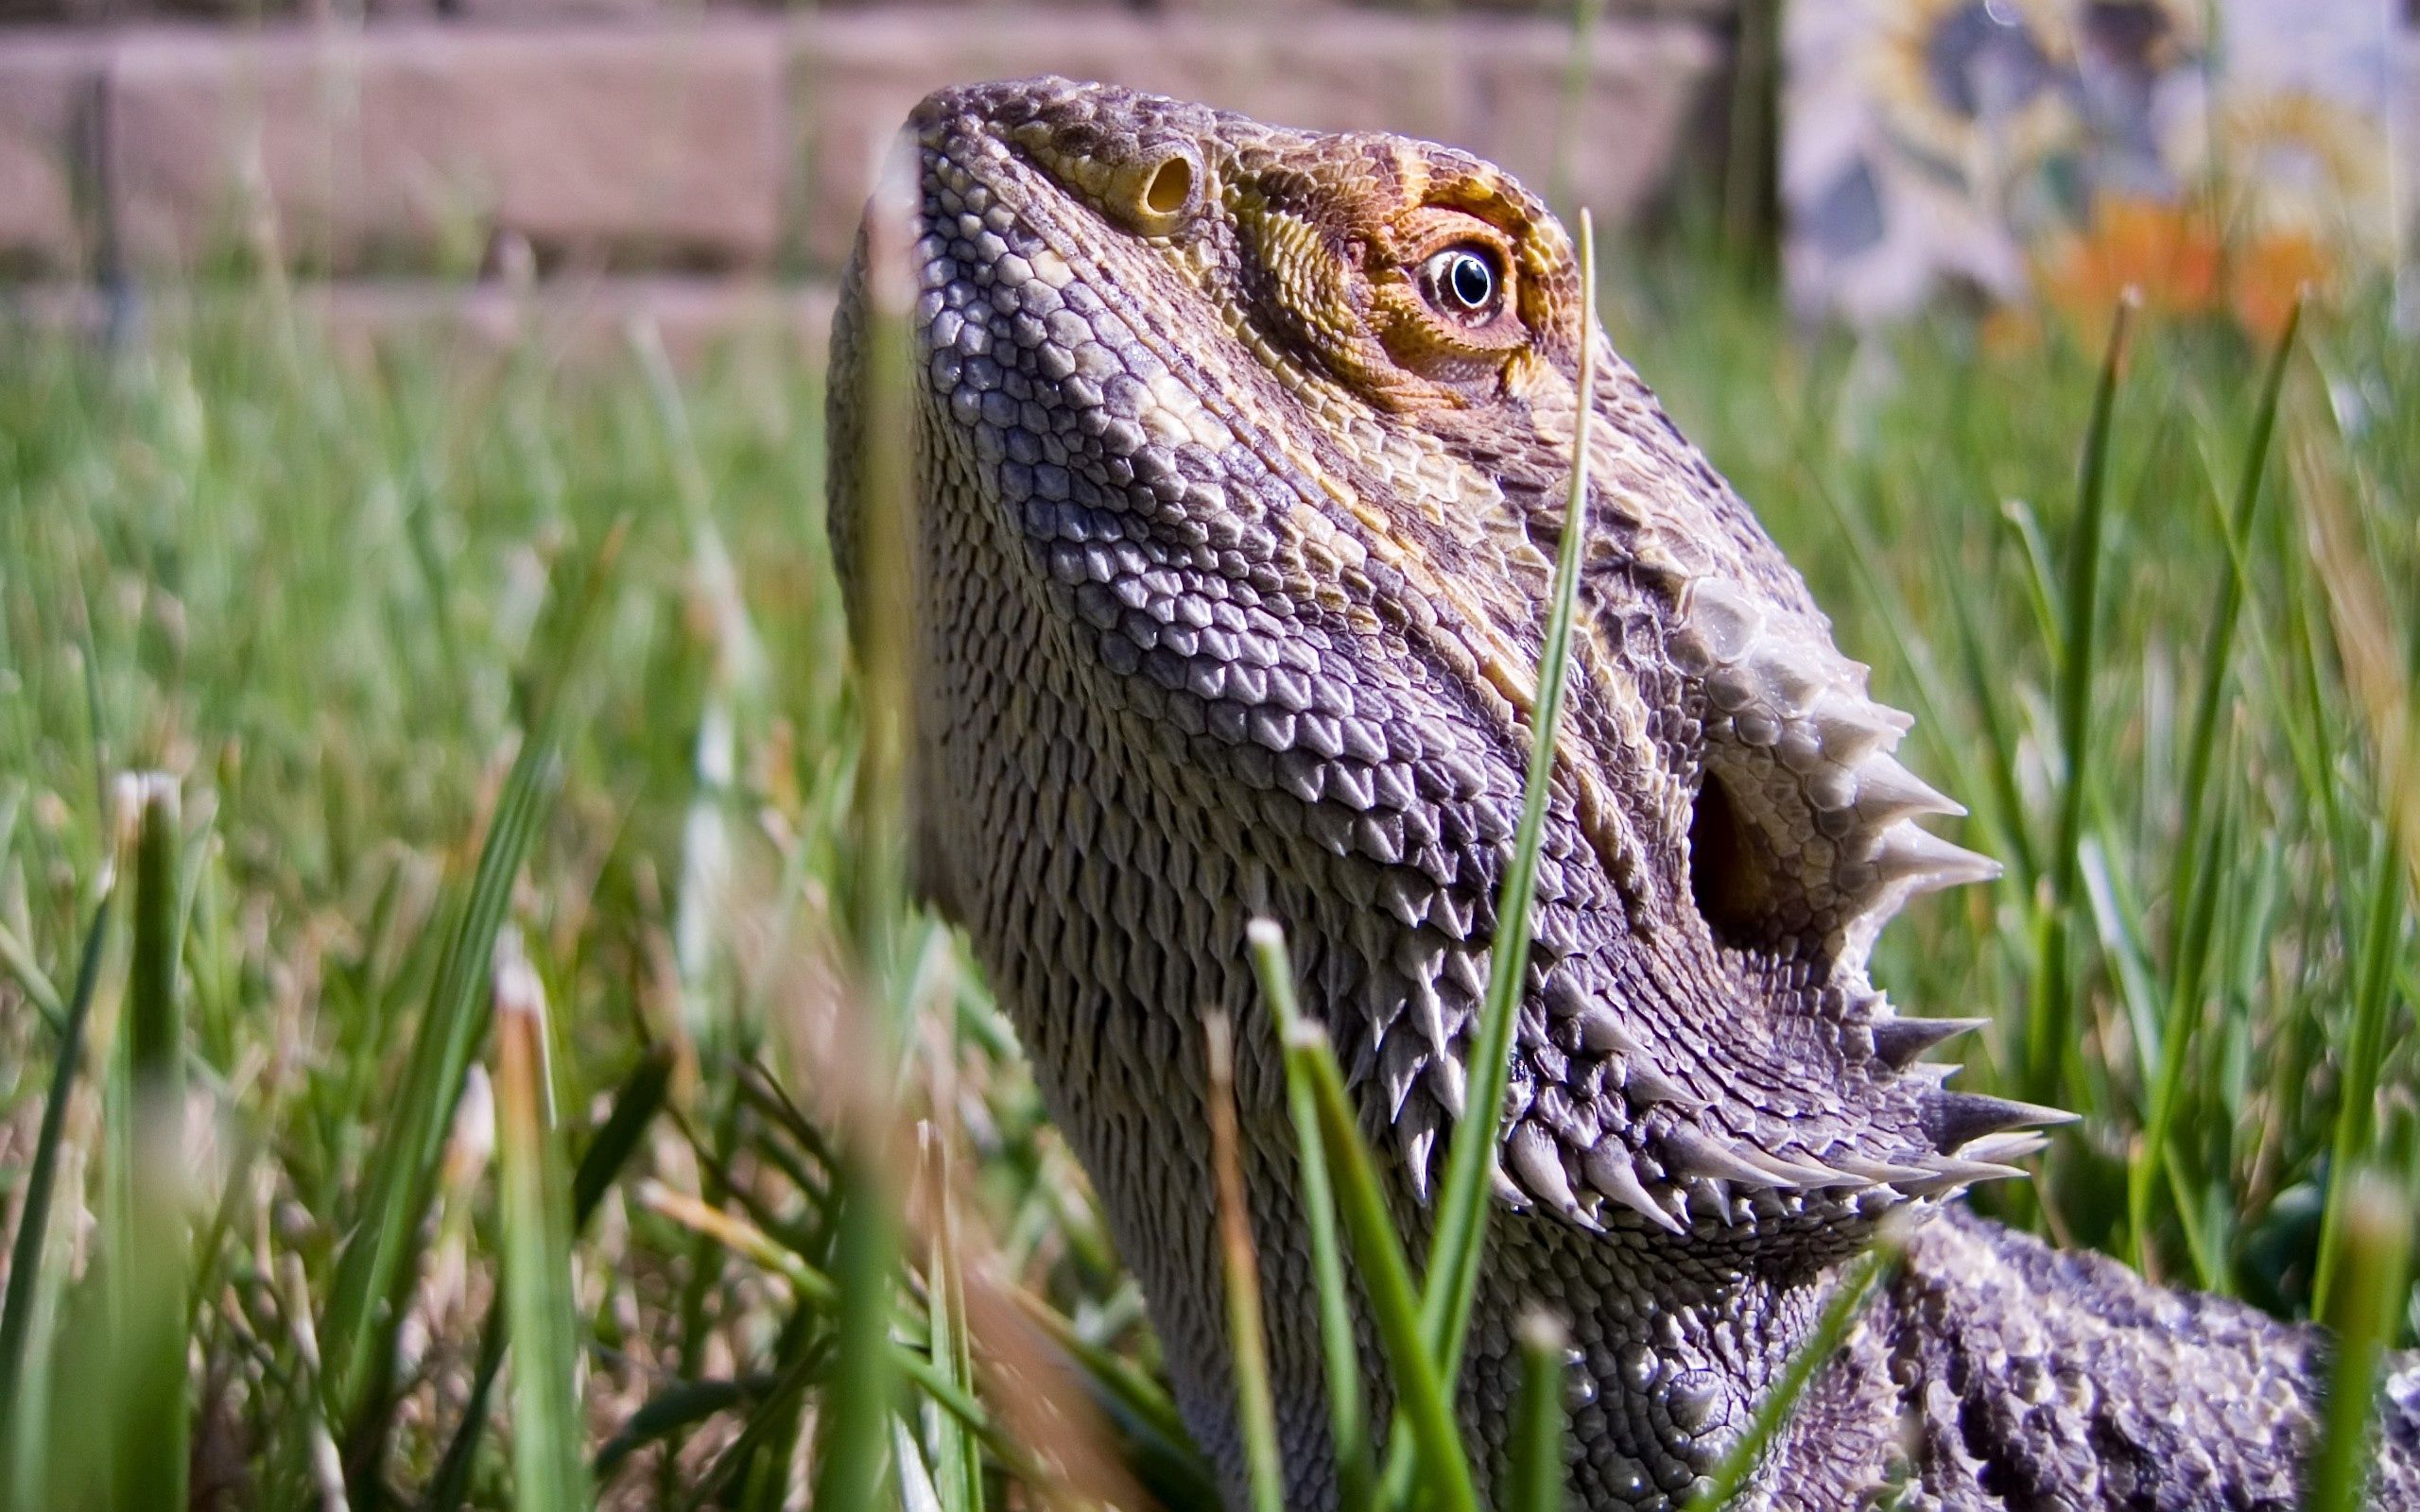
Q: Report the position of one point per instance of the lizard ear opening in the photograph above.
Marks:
(1727, 880)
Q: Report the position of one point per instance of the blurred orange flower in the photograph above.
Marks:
(2172, 257)
(2183, 265)
(2271, 272)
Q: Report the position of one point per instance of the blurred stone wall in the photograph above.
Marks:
(442, 140)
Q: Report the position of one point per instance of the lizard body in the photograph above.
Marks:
(1239, 457)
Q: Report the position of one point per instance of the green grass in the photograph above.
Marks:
(442, 646)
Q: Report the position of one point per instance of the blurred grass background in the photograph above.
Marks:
(510, 741)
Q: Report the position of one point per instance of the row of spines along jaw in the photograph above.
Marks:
(1789, 720)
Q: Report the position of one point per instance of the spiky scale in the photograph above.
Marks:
(1608, 1169)
(1951, 1120)
(1880, 1172)
(1950, 1175)
(1449, 1083)
(2004, 1148)
(1536, 1161)
(1642, 1081)
(1602, 1031)
(1416, 1126)
(1400, 1062)
(1899, 1042)
(1851, 728)
(1691, 1151)
(1791, 1172)
(1923, 862)
(1887, 790)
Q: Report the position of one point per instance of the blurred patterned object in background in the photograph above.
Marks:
(2218, 155)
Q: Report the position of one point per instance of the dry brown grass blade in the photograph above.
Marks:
(2366, 639)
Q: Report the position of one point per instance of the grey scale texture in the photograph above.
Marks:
(1224, 531)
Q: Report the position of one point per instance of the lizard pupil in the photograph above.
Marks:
(1463, 280)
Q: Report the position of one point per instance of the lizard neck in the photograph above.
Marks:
(1106, 883)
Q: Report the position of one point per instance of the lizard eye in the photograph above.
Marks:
(1463, 283)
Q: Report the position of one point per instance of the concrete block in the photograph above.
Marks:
(51, 103)
(416, 144)
(1493, 84)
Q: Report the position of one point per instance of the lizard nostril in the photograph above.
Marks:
(1158, 190)
(1171, 187)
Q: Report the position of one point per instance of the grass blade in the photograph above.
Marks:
(635, 1105)
(957, 1458)
(2218, 652)
(149, 1271)
(550, 1474)
(1462, 1202)
(1340, 1353)
(2365, 1315)
(19, 1436)
(2375, 661)
(853, 1440)
(155, 1020)
(1539, 1420)
(1246, 1334)
(2047, 1041)
(2357, 1091)
(1436, 1445)
(2195, 873)
(682, 1405)
(378, 1260)
(2199, 904)
(1858, 1283)
(853, 1428)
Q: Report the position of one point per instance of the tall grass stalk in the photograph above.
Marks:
(35, 1273)
(636, 1103)
(1428, 1439)
(548, 1432)
(1339, 1355)
(378, 1262)
(957, 1457)
(1535, 1475)
(853, 1430)
(1855, 1285)
(2363, 1317)
(148, 1267)
(2195, 874)
(1464, 1194)
(2048, 1046)
(2378, 669)
(1247, 1336)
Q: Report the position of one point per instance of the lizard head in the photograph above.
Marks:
(1275, 428)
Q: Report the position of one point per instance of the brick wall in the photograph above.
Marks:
(729, 142)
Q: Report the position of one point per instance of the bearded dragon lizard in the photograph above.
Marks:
(1238, 462)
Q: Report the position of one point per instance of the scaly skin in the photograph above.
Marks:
(1236, 493)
